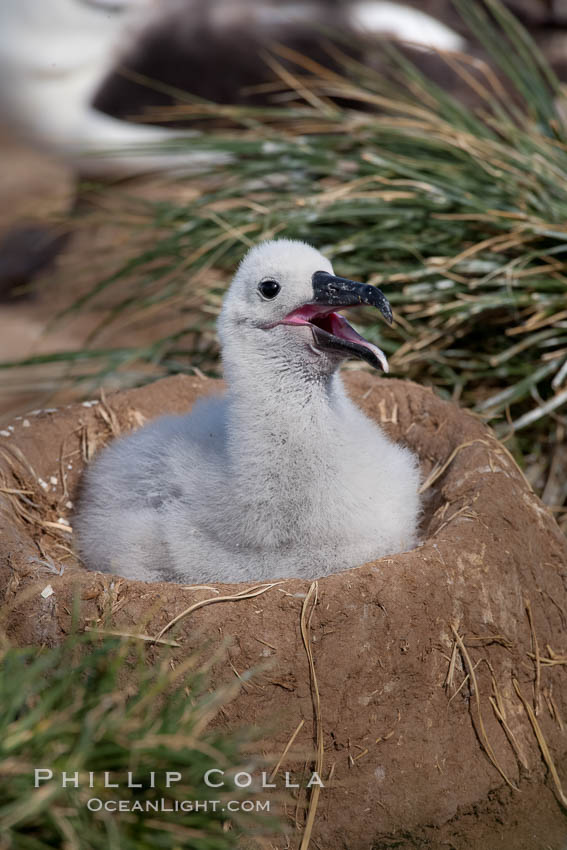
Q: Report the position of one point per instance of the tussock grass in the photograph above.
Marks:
(93, 704)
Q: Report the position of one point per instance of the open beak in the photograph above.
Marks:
(332, 332)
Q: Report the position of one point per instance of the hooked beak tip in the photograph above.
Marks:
(341, 292)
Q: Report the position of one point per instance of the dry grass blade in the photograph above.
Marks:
(286, 750)
(461, 686)
(464, 511)
(547, 757)
(448, 683)
(554, 709)
(497, 704)
(147, 638)
(438, 471)
(297, 85)
(481, 728)
(316, 790)
(13, 453)
(536, 655)
(57, 526)
(553, 661)
(244, 594)
(15, 492)
(107, 414)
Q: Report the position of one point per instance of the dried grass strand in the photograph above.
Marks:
(481, 727)
(497, 704)
(438, 470)
(243, 594)
(305, 626)
(286, 749)
(547, 757)
(536, 656)
(129, 635)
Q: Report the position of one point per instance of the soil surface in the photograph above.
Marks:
(434, 667)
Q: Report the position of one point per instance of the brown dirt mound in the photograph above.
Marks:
(432, 681)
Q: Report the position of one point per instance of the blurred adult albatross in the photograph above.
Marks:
(281, 476)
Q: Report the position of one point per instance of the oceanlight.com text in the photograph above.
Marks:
(95, 804)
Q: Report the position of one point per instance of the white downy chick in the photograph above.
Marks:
(281, 476)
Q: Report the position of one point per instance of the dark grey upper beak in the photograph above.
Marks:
(341, 292)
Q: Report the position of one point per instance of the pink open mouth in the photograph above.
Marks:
(336, 326)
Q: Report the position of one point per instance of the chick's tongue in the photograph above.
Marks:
(340, 328)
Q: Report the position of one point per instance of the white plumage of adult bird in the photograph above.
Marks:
(54, 56)
(281, 476)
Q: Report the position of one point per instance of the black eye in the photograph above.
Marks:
(269, 288)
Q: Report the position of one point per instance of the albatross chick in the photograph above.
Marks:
(282, 475)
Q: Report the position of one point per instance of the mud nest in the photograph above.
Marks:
(428, 688)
